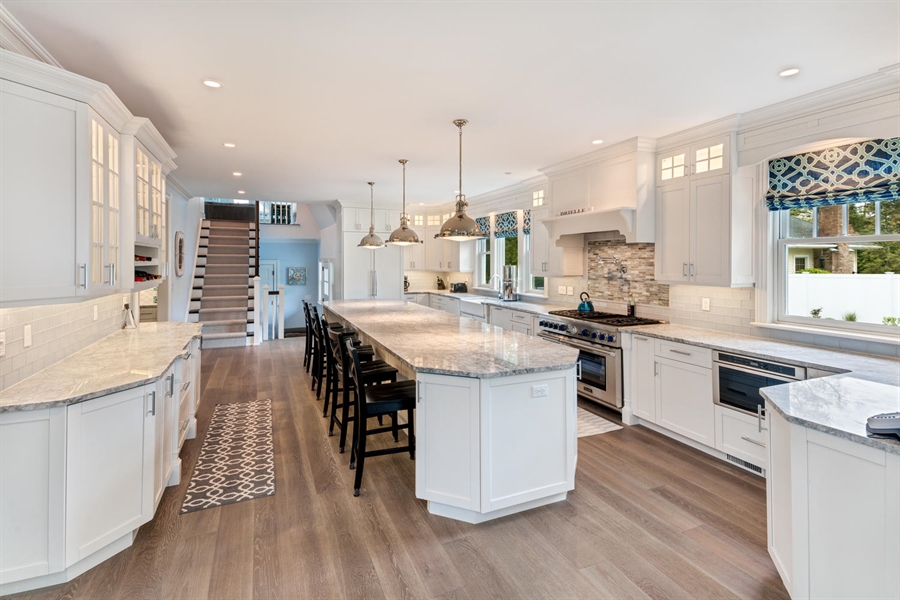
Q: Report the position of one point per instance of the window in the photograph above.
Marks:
(483, 254)
(838, 253)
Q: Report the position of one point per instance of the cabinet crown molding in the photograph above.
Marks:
(15, 38)
(506, 198)
(34, 73)
(148, 135)
(714, 129)
(635, 144)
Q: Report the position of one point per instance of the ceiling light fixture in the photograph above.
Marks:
(597, 142)
(241, 192)
(228, 145)
(403, 236)
(371, 241)
(460, 227)
(789, 72)
(237, 173)
(212, 83)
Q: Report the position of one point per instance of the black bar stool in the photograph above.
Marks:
(318, 357)
(307, 351)
(366, 355)
(372, 401)
(372, 372)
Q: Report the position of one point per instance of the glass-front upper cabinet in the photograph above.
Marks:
(150, 198)
(706, 159)
(105, 246)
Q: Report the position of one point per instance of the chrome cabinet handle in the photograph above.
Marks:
(152, 410)
(759, 416)
(684, 269)
(752, 441)
(170, 381)
(83, 267)
(639, 337)
(578, 370)
(115, 274)
(682, 352)
(691, 269)
(655, 368)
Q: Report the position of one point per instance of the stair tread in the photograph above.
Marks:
(227, 334)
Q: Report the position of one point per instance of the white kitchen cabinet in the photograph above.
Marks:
(424, 300)
(742, 435)
(105, 214)
(500, 317)
(165, 433)
(548, 260)
(684, 400)
(434, 250)
(386, 220)
(110, 445)
(458, 256)
(644, 388)
(414, 257)
(521, 328)
(45, 154)
(703, 228)
(32, 519)
(447, 304)
(371, 273)
(833, 513)
(355, 219)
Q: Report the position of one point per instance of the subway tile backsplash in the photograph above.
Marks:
(58, 330)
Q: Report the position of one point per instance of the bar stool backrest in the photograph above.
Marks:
(355, 374)
(336, 351)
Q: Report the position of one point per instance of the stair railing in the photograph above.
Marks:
(257, 323)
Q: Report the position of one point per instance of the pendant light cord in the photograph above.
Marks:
(460, 159)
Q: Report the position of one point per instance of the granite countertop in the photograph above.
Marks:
(524, 306)
(126, 359)
(432, 341)
(839, 404)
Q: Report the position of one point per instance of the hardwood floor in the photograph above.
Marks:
(649, 518)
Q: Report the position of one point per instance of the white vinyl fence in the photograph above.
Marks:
(871, 297)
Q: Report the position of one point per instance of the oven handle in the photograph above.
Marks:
(599, 350)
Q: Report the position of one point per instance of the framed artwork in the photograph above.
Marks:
(296, 276)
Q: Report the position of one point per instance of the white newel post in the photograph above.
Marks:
(281, 312)
(265, 315)
(257, 326)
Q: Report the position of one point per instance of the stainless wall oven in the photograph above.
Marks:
(738, 379)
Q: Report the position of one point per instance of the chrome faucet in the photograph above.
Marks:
(620, 268)
(491, 278)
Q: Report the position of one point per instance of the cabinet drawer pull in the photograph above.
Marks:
(640, 337)
(186, 385)
(684, 269)
(752, 441)
(682, 352)
(152, 410)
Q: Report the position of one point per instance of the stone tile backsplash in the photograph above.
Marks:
(606, 283)
(57, 331)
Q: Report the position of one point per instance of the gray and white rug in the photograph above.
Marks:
(236, 462)
(591, 424)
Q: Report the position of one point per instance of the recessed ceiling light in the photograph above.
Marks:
(507, 172)
(237, 174)
(597, 142)
(241, 192)
(228, 145)
(789, 72)
(421, 204)
(212, 83)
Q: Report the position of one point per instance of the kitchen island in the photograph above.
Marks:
(496, 411)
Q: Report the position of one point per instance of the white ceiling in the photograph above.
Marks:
(321, 97)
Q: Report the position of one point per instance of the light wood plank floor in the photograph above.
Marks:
(649, 518)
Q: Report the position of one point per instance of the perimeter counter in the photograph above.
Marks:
(496, 420)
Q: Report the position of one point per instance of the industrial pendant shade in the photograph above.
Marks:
(371, 241)
(460, 227)
(403, 235)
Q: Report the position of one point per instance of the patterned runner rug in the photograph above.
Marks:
(591, 424)
(236, 462)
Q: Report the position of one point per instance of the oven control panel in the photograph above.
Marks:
(579, 332)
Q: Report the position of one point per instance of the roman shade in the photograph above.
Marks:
(484, 224)
(526, 221)
(863, 172)
(506, 225)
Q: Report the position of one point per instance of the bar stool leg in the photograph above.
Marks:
(361, 453)
(345, 416)
(411, 433)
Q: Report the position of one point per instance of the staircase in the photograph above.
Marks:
(222, 295)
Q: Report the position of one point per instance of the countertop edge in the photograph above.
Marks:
(77, 399)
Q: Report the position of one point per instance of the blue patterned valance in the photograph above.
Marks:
(484, 224)
(864, 172)
(526, 221)
(506, 225)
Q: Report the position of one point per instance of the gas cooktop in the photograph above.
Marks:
(604, 318)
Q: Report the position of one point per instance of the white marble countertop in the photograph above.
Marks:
(522, 305)
(837, 405)
(432, 341)
(862, 385)
(126, 359)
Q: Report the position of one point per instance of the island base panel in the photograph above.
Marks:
(472, 516)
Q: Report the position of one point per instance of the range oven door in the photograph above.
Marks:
(600, 370)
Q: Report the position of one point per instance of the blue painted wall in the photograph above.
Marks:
(294, 253)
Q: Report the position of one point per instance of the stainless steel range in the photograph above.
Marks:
(596, 336)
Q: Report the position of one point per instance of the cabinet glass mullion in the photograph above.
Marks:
(97, 203)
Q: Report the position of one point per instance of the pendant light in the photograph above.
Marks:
(371, 241)
(460, 227)
(403, 235)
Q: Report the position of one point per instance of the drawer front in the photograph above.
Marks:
(692, 355)
(184, 415)
(520, 317)
(739, 435)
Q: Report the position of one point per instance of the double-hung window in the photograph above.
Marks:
(534, 285)
(483, 254)
(838, 252)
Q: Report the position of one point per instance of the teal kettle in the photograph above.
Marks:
(586, 305)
